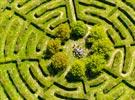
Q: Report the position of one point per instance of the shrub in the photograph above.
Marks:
(103, 47)
(77, 71)
(89, 41)
(98, 42)
(59, 62)
(95, 64)
(53, 46)
(79, 29)
(97, 32)
(63, 32)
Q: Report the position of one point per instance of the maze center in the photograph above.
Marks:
(27, 26)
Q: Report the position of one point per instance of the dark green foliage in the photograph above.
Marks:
(97, 32)
(59, 62)
(63, 32)
(103, 47)
(89, 41)
(53, 47)
(77, 71)
(95, 64)
(98, 42)
(79, 29)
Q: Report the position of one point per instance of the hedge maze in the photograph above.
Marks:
(26, 28)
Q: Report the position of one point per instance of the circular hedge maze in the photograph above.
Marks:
(67, 50)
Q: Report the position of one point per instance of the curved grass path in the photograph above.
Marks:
(27, 25)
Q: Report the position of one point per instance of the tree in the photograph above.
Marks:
(53, 47)
(98, 42)
(103, 47)
(77, 71)
(95, 64)
(59, 62)
(97, 32)
(63, 32)
(79, 29)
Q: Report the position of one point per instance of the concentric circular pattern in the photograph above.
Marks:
(27, 25)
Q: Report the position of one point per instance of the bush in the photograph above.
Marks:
(53, 46)
(63, 32)
(59, 62)
(77, 71)
(98, 42)
(97, 32)
(95, 64)
(103, 47)
(79, 29)
(89, 41)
